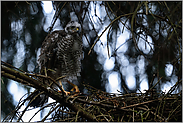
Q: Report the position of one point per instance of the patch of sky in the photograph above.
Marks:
(114, 83)
(143, 83)
(86, 41)
(101, 11)
(168, 69)
(129, 77)
(47, 7)
(73, 16)
(20, 55)
(31, 65)
(165, 87)
(130, 82)
(123, 70)
(96, 13)
(152, 8)
(109, 64)
(17, 26)
(140, 64)
(13, 87)
(37, 55)
(145, 44)
(49, 13)
(101, 46)
(123, 60)
(121, 44)
(16, 90)
(144, 21)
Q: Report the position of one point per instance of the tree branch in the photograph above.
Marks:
(26, 80)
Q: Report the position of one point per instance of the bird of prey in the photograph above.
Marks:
(60, 56)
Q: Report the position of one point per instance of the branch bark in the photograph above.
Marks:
(27, 80)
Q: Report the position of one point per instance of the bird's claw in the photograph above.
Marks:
(66, 92)
(75, 88)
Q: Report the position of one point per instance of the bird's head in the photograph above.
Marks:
(73, 27)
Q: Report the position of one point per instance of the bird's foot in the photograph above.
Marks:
(66, 92)
(76, 89)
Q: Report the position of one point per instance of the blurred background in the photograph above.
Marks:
(128, 46)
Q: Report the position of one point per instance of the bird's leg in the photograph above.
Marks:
(66, 92)
(74, 86)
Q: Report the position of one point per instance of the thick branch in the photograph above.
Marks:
(24, 79)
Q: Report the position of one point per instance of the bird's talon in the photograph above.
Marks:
(66, 92)
(75, 88)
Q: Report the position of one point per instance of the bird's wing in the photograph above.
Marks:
(48, 50)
